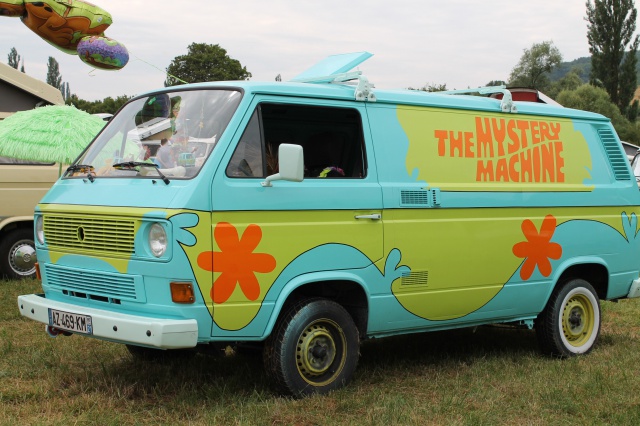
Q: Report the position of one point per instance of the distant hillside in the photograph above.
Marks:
(584, 66)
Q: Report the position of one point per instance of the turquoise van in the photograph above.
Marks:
(321, 212)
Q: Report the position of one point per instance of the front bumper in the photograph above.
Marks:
(116, 327)
(634, 291)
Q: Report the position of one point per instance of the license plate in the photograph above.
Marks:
(70, 321)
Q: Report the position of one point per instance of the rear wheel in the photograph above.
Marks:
(570, 323)
(18, 254)
(313, 349)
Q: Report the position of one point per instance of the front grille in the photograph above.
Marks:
(99, 234)
(104, 286)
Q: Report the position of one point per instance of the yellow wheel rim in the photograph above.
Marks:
(321, 352)
(578, 320)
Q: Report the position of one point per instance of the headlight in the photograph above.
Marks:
(40, 229)
(157, 240)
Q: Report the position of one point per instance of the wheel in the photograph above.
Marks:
(152, 354)
(570, 323)
(313, 349)
(18, 254)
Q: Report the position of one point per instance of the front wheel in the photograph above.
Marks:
(570, 323)
(313, 349)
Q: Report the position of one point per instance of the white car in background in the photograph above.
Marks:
(631, 150)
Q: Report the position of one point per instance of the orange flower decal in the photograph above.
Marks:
(236, 261)
(538, 248)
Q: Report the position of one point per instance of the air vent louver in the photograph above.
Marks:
(415, 278)
(420, 198)
(619, 162)
(415, 198)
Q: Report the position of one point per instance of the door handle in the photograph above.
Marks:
(374, 216)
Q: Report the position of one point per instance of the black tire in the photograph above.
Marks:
(18, 254)
(313, 348)
(570, 323)
(151, 354)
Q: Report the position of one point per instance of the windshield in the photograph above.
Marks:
(166, 134)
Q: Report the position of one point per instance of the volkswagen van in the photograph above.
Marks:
(325, 211)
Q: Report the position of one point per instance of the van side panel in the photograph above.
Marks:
(263, 238)
(24, 184)
(488, 209)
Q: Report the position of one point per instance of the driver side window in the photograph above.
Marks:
(331, 137)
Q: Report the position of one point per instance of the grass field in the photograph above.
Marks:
(486, 376)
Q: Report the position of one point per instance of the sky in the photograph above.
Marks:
(460, 43)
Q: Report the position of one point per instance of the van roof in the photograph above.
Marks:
(346, 92)
(331, 79)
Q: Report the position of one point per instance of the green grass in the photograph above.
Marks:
(486, 376)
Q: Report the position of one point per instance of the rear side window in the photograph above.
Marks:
(331, 139)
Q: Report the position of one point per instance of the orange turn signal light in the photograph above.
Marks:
(182, 293)
(38, 276)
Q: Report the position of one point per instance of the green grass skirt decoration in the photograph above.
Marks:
(51, 134)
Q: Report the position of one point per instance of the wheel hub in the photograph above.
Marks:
(576, 320)
(319, 351)
(22, 258)
(316, 350)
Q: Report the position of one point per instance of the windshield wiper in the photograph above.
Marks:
(82, 168)
(132, 164)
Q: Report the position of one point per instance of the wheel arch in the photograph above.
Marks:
(593, 270)
(15, 222)
(346, 289)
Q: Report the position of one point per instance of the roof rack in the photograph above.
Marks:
(506, 104)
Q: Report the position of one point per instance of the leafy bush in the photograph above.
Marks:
(595, 99)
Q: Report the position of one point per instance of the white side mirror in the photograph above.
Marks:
(290, 164)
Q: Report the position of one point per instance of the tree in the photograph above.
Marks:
(53, 73)
(571, 81)
(108, 104)
(431, 87)
(55, 79)
(66, 91)
(595, 99)
(628, 84)
(204, 62)
(610, 28)
(496, 83)
(14, 59)
(534, 66)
